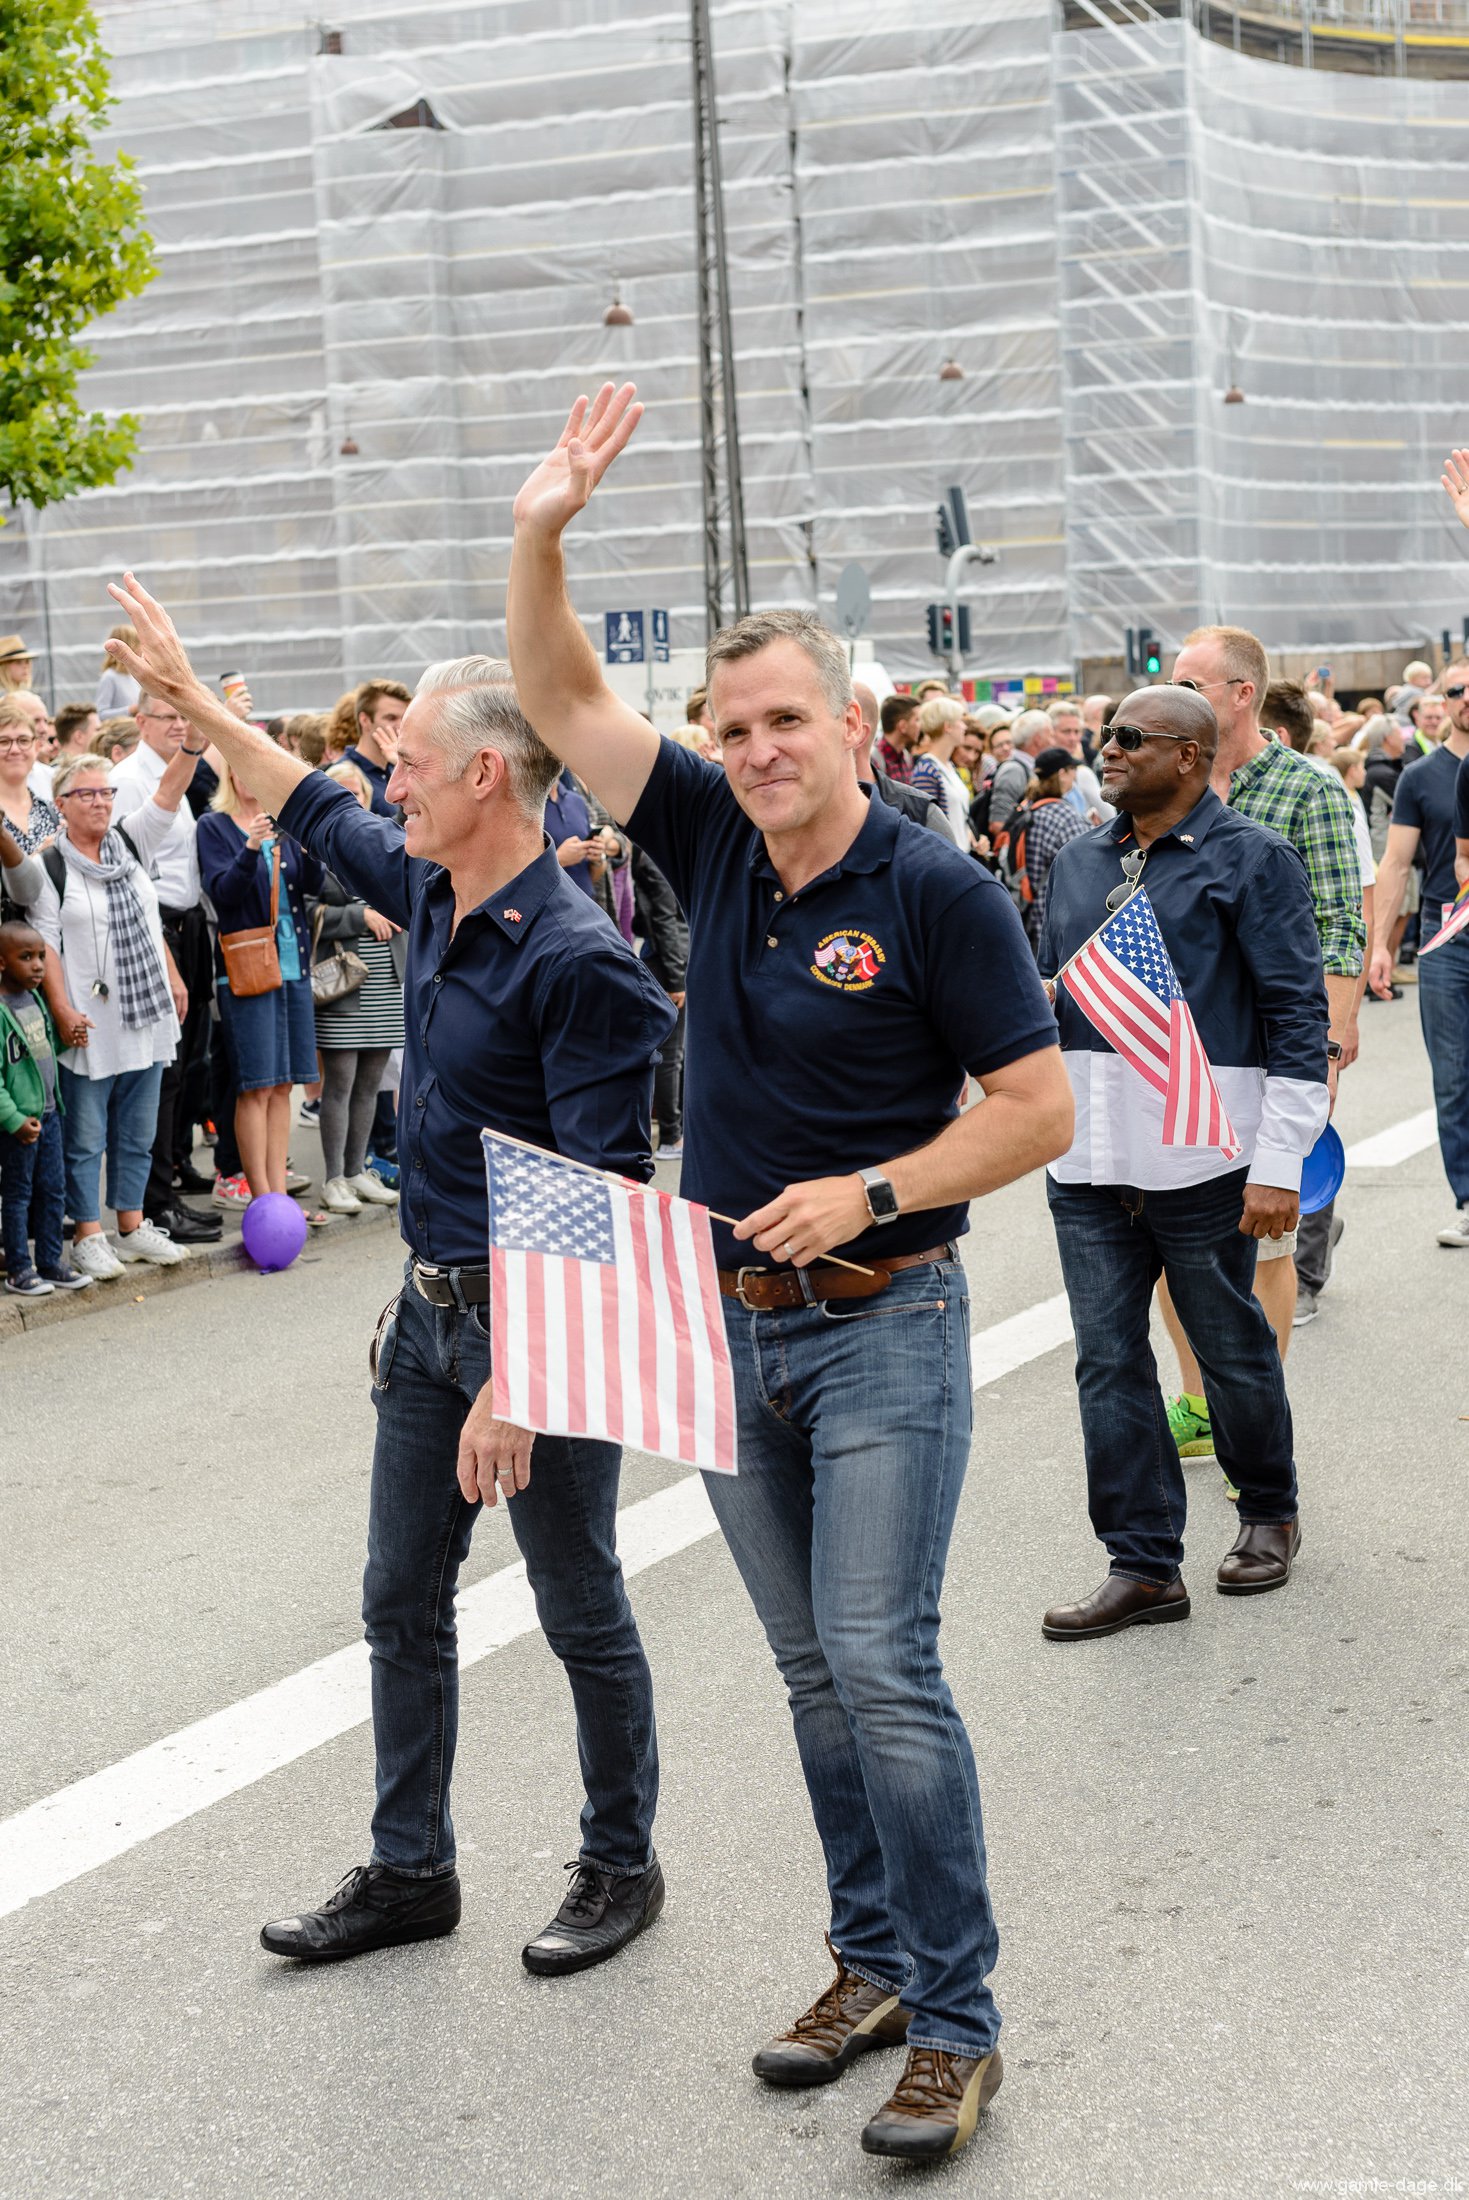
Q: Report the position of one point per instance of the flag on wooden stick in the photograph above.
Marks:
(605, 1313)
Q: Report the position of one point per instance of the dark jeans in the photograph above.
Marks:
(1443, 1009)
(33, 1191)
(854, 1423)
(187, 935)
(1115, 1242)
(224, 1091)
(668, 1087)
(432, 1362)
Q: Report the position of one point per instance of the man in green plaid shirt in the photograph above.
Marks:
(1270, 783)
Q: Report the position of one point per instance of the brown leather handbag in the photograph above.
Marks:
(252, 962)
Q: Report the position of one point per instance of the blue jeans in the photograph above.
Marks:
(118, 1115)
(1443, 1007)
(431, 1363)
(854, 1422)
(32, 1189)
(1115, 1242)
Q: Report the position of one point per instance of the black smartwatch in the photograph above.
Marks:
(882, 1200)
(1334, 1050)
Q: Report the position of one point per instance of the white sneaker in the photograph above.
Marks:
(93, 1256)
(149, 1242)
(371, 1189)
(339, 1198)
(1457, 1232)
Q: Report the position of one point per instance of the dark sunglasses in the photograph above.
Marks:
(1455, 693)
(1132, 738)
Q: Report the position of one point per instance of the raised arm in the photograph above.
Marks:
(557, 675)
(161, 663)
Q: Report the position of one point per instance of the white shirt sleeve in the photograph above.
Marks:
(1292, 1119)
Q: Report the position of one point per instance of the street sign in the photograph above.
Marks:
(660, 637)
(624, 637)
(854, 599)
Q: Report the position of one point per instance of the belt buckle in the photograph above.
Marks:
(740, 1275)
(422, 1269)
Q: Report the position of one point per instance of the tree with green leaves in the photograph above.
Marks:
(72, 246)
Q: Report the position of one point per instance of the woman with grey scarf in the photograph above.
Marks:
(116, 998)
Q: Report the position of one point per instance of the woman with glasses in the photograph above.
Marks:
(32, 818)
(117, 1003)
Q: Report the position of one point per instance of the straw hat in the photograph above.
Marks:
(11, 647)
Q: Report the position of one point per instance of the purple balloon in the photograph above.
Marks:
(274, 1230)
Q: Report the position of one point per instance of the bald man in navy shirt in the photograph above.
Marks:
(847, 971)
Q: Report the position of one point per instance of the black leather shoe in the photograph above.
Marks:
(1118, 1603)
(935, 2105)
(188, 1179)
(372, 1908)
(186, 1226)
(1260, 1558)
(600, 1915)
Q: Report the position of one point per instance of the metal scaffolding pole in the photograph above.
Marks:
(724, 500)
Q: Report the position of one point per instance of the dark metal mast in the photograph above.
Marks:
(717, 406)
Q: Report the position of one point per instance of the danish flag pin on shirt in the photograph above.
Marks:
(513, 915)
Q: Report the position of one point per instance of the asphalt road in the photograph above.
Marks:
(1227, 1857)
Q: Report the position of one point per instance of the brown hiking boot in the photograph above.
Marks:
(935, 2106)
(841, 2024)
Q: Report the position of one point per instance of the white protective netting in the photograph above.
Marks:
(1090, 221)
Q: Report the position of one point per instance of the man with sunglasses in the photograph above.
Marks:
(1429, 811)
(1234, 909)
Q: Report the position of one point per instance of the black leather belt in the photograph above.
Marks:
(438, 1285)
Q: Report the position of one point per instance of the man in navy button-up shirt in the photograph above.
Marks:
(1233, 904)
(524, 1011)
(846, 970)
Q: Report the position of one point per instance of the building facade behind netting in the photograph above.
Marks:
(388, 244)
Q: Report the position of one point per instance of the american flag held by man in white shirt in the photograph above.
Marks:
(1124, 983)
(605, 1315)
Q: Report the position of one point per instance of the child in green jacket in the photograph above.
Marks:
(32, 1171)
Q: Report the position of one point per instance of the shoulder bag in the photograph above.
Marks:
(337, 975)
(252, 962)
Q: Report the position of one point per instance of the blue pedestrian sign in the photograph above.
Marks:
(660, 637)
(624, 637)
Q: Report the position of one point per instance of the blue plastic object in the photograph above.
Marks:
(1322, 1172)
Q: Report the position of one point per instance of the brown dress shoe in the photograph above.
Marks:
(841, 2024)
(1118, 1603)
(935, 2106)
(1260, 1559)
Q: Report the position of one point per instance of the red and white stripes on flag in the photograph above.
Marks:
(1456, 920)
(1124, 983)
(605, 1313)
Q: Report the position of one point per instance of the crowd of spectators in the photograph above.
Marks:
(128, 854)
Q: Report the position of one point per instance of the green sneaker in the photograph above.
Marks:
(1188, 1425)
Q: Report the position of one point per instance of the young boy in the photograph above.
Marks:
(30, 1123)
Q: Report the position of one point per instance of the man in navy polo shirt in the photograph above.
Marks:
(1233, 904)
(379, 707)
(846, 970)
(1426, 816)
(526, 1011)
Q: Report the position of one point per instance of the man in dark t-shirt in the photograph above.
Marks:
(846, 971)
(1426, 817)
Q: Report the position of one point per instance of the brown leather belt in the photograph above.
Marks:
(760, 1289)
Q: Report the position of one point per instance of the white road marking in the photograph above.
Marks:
(100, 1818)
(1399, 1142)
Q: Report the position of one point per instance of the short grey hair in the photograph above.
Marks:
(480, 710)
(72, 767)
(758, 629)
(1028, 725)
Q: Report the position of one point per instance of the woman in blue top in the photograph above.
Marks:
(272, 1036)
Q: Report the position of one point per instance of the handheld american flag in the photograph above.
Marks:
(1124, 983)
(605, 1315)
(1454, 923)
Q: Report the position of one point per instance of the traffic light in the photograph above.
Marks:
(1144, 654)
(953, 521)
(941, 630)
(947, 544)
